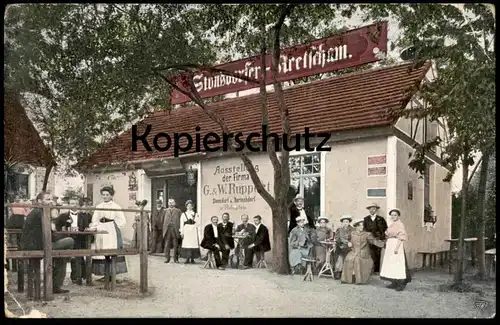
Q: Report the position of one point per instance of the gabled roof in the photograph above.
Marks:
(22, 143)
(352, 101)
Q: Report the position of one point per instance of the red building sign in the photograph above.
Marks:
(344, 50)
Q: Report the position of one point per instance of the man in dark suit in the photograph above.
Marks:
(377, 226)
(71, 220)
(226, 231)
(32, 239)
(260, 245)
(157, 220)
(297, 210)
(171, 230)
(212, 240)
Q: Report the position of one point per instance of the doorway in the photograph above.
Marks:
(174, 187)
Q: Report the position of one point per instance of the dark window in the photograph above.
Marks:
(90, 191)
(410, 190)
(428, 214)
(18, 185)
(305, 179)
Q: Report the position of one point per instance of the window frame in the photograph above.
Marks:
(428, 185)
(322, 175)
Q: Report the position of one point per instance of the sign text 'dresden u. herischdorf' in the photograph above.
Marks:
(344, 50)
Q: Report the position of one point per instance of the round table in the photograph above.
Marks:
(327, 267)
(241, 252)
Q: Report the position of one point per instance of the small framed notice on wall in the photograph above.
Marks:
(375, 192)
(376, 165)
(410, 190)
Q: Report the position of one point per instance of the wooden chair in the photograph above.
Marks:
(210, 263)
(261, 263)
(309, 265)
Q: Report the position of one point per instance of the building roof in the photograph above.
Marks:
(352, 101)
(22, 143)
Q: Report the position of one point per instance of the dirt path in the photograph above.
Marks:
(189, 291)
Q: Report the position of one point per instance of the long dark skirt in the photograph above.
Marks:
(190, 253)
(98, 266)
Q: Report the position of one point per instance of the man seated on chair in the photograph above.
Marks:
(74, 219)
(226, 234)
(260, 245)
(212, 241)
(32, 240)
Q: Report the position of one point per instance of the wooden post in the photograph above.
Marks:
(47, 254)
(107, 273)
(31, 275)
(38, 291)
(20, 275)
(88, 262)
(113, 272)
(143, 251)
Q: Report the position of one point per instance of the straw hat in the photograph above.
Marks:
(300, 219)
(373, 205)
(298, 197)
(345, 218)
(395, 210)
(323, 218)
(357, 221)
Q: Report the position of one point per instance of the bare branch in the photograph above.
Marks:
(202, 68)
(195, 97)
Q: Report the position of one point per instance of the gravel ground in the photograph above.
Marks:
(180, 290)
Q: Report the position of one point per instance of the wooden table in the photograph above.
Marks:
(241, 251)
(327, 267)
(88, 260)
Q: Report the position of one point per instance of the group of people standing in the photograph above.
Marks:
(74, 219)
(173, 229)
(358, 245)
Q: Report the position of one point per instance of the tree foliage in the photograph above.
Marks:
(460, 39)
(85, 69)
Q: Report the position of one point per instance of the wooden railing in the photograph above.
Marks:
(48, 254)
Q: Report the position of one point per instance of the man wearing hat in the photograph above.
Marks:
(342, 238)
(75, 219)
(376, 225)
(157, 240)
(297, 210)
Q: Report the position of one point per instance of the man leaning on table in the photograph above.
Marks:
(32, 239)
(75, 219)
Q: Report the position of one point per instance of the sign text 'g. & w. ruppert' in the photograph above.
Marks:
(344, 50)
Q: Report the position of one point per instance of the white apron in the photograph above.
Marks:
(190, 232)
(109, 240)
(393, 265)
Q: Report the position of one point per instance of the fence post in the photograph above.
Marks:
(47, 254)
(143, 251)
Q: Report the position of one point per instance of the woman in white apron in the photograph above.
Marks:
(111, 222)
(190, 225)
(394, 263)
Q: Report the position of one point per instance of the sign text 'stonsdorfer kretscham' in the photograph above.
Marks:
(344, 50)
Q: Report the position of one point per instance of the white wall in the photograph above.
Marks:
(123, 195)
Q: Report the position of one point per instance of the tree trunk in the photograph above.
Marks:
(280, 242)
(48, 169)
(481, 204)
(459, 273)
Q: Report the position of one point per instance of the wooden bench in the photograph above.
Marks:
(34, 258)
(430, 259)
